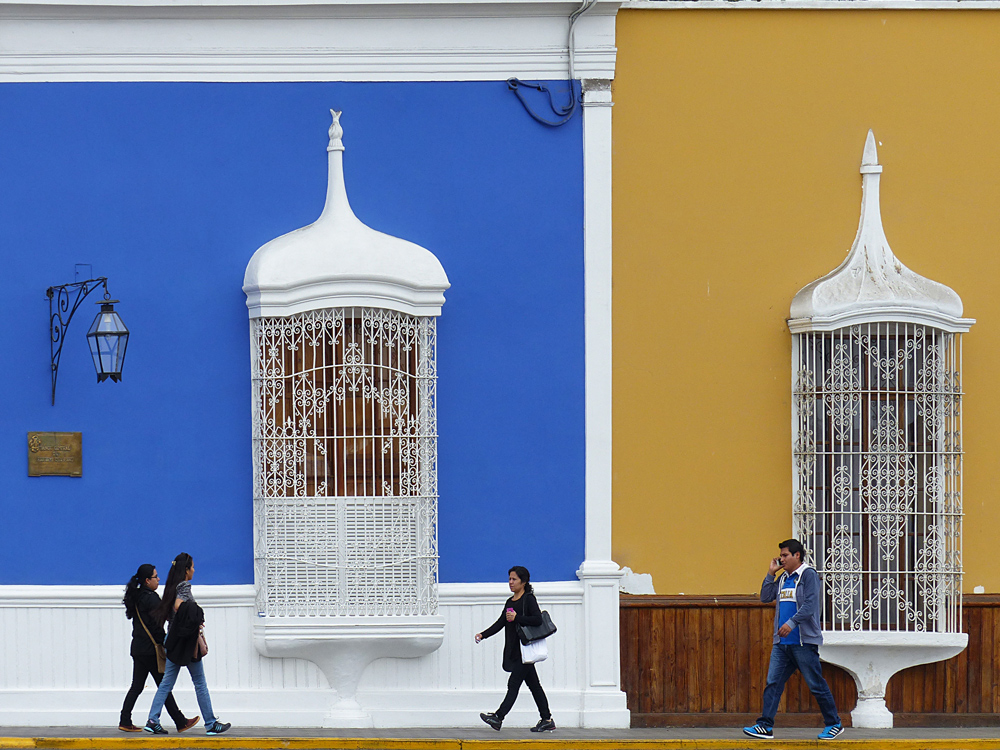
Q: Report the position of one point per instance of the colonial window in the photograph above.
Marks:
(877, 458)
(344, 457)
(877, 435)
(343, 346)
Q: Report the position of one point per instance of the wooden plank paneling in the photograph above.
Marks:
(692, 643)
(734, 660)
(629, 634)
(711, 659)
(654, 671)
(758, 644)
(681, 652)
(973, 695)
(669, 696)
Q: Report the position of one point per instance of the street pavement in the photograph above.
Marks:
(270, 738)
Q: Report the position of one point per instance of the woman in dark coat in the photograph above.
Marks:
(141, 599)
(520, 609)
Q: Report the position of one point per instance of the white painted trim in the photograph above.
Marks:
(813, 4)
(316, 40)
(597, 239)
(898, 314)
(604, 701)
(51, 676)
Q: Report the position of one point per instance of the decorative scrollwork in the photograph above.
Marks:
(888, 481)
(842, 387)
(842, 576)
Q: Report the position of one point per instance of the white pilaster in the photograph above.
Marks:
(604, 701)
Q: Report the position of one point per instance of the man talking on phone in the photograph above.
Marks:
(797, 638)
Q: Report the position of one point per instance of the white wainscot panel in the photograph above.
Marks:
(64, 661)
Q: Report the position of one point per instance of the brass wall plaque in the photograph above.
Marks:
(55, 454)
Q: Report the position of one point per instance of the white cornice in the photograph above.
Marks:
(814, 4)
(302, 40)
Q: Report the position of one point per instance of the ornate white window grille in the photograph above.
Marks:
(878, 480)
(345, 463)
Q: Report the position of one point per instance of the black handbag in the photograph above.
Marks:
(531, 633)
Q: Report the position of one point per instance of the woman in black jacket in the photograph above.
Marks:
(520, 609)
(141, 602)
(186, 623)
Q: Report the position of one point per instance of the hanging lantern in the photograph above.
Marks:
(107, 339)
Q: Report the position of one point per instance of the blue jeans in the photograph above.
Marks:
(197, 671)
(785, 659)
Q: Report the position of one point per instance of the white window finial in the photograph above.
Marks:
(869, 160)
(336, 132)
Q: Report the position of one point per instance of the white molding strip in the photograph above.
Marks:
(312, 40)
(105, 597)
(813, 4)
(242, 595)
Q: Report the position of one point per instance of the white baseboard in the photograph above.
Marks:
(288, 708)
(64, 662)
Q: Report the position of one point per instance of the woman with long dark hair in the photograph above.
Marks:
(141, 607)
(520, 609)
(184, 645)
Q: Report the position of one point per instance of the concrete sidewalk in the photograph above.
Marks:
(258, 738)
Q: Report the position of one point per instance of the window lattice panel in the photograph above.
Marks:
(877, 469)
(345, 463)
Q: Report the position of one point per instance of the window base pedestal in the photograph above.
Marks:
(871, 658)
(343, 647)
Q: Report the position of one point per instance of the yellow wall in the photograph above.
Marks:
(737, 140)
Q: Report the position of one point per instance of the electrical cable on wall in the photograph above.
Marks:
(563, 113)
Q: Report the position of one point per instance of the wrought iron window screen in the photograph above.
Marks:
(345, 463)
(877, 472)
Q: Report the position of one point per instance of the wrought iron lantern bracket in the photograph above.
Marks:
(64, 300)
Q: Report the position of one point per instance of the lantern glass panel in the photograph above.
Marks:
(108, 338)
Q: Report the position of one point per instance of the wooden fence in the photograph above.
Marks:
(702, 661)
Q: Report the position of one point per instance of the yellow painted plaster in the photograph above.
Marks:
(737, 140)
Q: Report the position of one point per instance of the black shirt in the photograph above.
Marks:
(526, 612)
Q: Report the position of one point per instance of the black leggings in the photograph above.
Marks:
(142, 666)
(524, 673)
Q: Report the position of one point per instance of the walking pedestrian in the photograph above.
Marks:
(520, 609)
(185, 645)
(141, 604)
(797, 638)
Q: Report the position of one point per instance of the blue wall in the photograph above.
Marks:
(168, 189)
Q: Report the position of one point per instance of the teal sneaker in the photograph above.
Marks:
(759, 731)
(830, 732)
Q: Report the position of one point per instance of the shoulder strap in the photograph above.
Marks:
(144, 625)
